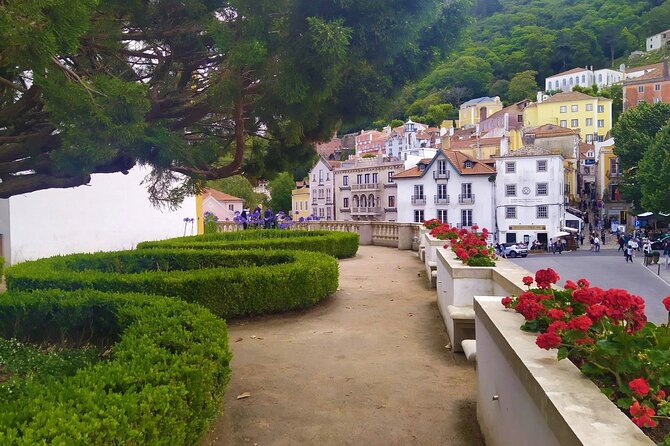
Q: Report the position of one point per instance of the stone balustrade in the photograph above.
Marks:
(404, 236)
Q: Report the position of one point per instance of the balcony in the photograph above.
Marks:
(468, 227)
(419, 199)
(441, 199)
(346, 187)
(466, 199)
(391, 184)
(345, 209)
(393, 209)
(314, 202)
(440, 175)
(329, 202)
(366, 211)
(366, 186)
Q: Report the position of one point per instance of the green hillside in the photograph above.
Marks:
(512, 45)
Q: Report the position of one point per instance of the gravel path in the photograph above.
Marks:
(366, 367)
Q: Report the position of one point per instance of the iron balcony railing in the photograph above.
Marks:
(437, 175)
(418, 199)
(441, 199)
(466, 198)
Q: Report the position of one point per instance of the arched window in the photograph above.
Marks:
(583, 79)
(557, 85)
(371, 200)
(570, 81)
(600, 77)
(364, 201)
(577, 80)
(355, 200)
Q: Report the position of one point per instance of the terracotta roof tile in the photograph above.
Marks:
(220, 196)
(550, 130)
(412, 172)
(458, 160)
(532, 150)
(655, 73)
(585, 147)
(571, 96)
(572, 71)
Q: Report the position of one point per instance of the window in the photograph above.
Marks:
(466, 190)
(418, 215)
(390, 177)
(359, 178)
(614, 166)
(345, 180)
(441, 191)
(542, 166)
(391, 201)
(367, 178)
(442, 215)
(375, 178)
(327, 176)
(231, 207)
(601, 123)
(657, 87)
(466, 217)
(574, 123)
(542, 212)
(570, 81)
(542, 189)
(589, 107)
(510, 167)
(589, 122)
(320, 176)
(563, 123)
(583, 79)
(601, 109)
(510, 190)
(564, 83)
(321, 213)
(589, 138)
(640, 89)
(468, 164)
(346, 202)
(574, 108)
(564, 108)
(600, 78)
(510, 211)
(441, 167)
(418, 190)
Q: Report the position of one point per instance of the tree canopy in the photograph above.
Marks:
(635, 133)
(197, 87)
(281, 188)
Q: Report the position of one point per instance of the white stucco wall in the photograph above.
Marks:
(111, 213)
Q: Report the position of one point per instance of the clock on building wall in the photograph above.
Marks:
(525, 190)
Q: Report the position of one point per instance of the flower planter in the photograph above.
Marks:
(525, 396)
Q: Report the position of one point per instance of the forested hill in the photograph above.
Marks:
(512, 44)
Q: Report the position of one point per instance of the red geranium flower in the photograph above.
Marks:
(555, 313)
(583, 283)
(582, 323)
(642, 415)
(556, 326)
(527, 280)
(507, 301)
(548, 341)
(666, 303)
(639, 386)
(570, 285)
(585, 340)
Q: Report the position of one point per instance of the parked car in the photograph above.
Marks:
(514, 250)
(657, 245)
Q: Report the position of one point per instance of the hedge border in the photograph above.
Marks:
(163, 384)
(336, 243)
(305, 279)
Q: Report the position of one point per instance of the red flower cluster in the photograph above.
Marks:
(666, 303)
(527, 280)
(546, 277)
(642, 415)
(444, 232)
(639, 386)
(469, 246)
(432, 223)
(548, 341)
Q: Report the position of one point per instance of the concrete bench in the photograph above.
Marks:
(422, 253)
(463, 318)
(470, 349)
(431, 273)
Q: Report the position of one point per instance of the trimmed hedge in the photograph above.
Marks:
(337, 244)
(163, 382)
(229, 283)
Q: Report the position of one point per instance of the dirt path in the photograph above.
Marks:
(367, 367)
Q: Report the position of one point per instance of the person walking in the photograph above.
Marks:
(629, 252)
(551, 247)
(622, 244)
(596, 243)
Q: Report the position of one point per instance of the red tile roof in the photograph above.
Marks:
(550, 130)
(220, 196)
(409, 173)
(458, 160)
(570, 96)
(572, 71)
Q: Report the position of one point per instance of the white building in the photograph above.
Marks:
(657, 41)
(322, 188)
(412, 141)
(221, 204)
(452, 187)
(111, 213)
(529, 198)
(365, 189)
(583, 77)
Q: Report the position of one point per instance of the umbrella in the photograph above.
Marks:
(561, 234)
(645, 214)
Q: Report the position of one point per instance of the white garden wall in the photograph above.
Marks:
(111, 213)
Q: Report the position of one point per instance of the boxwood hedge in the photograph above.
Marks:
(164, 372)
(229, 283)
(338, 244)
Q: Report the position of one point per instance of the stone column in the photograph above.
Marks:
(404, 236)
(365, 233)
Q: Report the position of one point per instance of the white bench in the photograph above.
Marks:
(470, 349)
(422, 253)
(463, 318)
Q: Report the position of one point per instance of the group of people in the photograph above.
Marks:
(557, 246)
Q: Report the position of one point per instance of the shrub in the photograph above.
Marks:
(338, 244)
(165, 372)
(229, 283)
(606, 334)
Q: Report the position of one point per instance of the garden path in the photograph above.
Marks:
(366, 367)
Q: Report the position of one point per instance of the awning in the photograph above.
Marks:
(663, 214)
(561, 234)
(569, 229)
(645, 214)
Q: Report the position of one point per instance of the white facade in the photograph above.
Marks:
(529, 195)
(411, 141)
(583, 77)
(450, 193)
(365, 189)
(224, 209)
(112, 213)
(657, 41)
(322, 190)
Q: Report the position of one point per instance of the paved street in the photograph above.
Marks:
(607, 269)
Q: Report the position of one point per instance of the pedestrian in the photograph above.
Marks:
(596, 243)
(269, 219)
(551, 247)
(559, 245)
(622, 243)
(666, 250)
(243, 218)
(629, 252)
(581, 239)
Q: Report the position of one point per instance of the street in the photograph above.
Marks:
(607, 269)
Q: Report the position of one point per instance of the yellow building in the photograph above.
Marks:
(300, 204)
(590, 116)
(475, 110)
